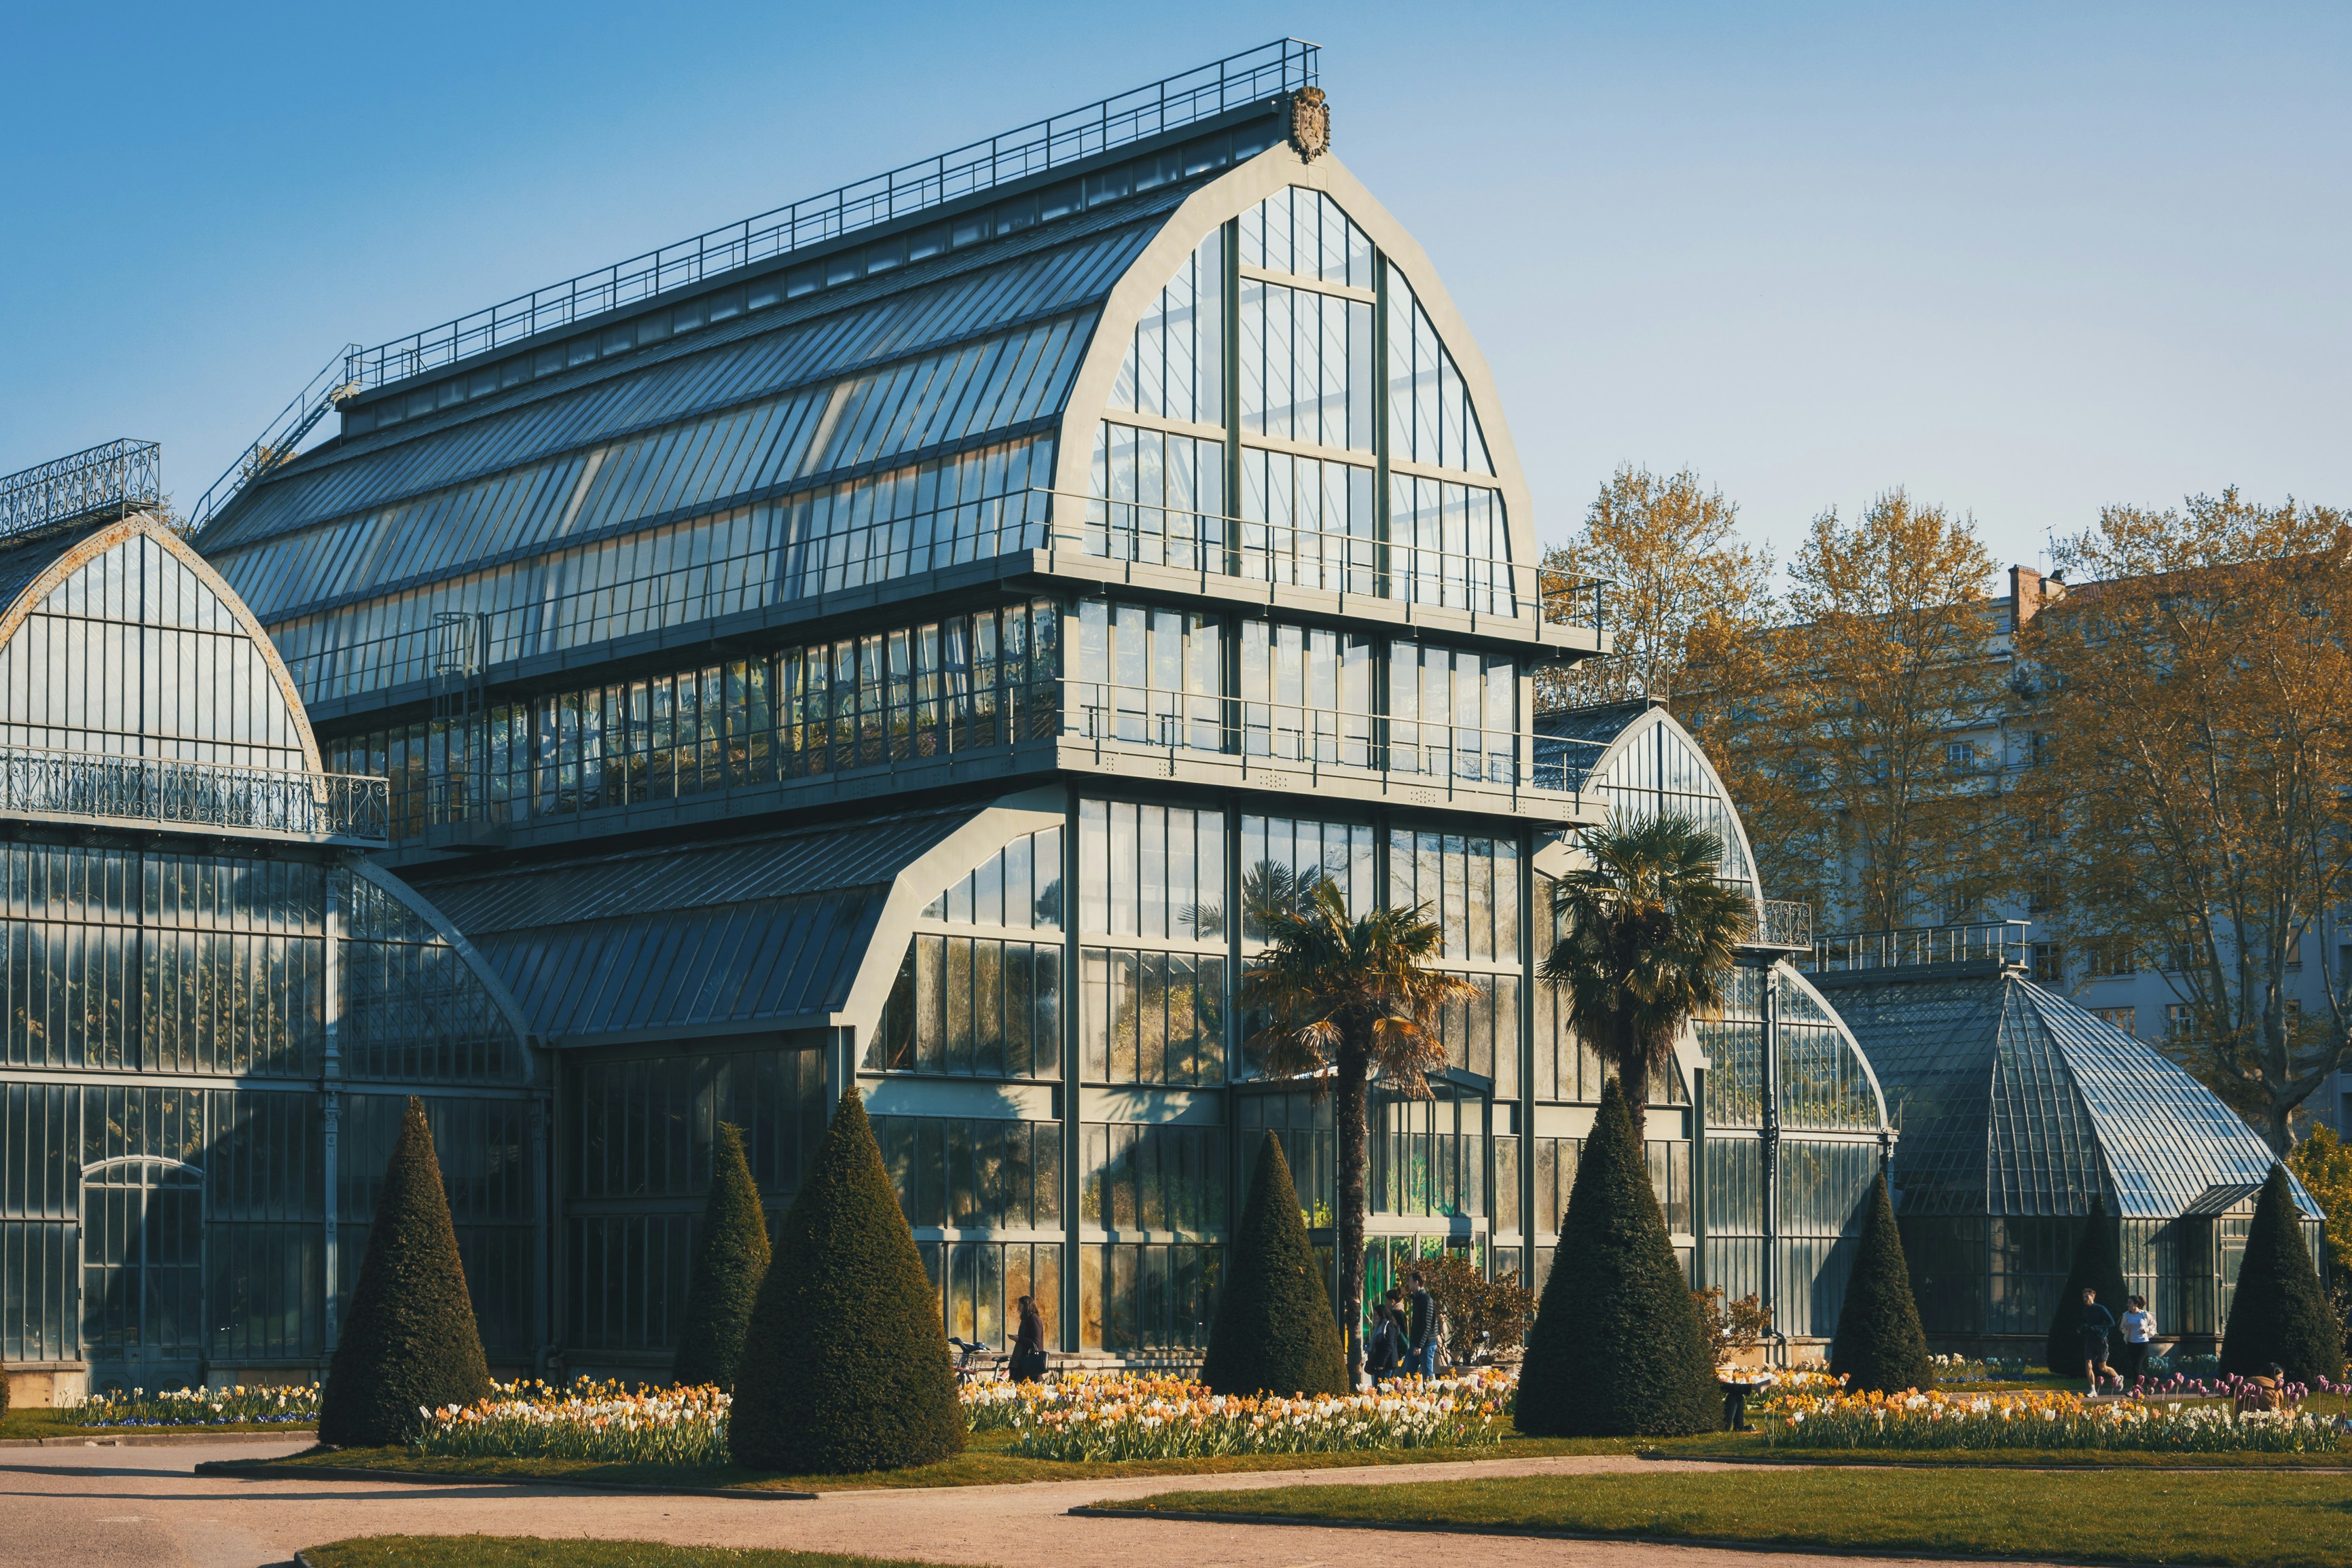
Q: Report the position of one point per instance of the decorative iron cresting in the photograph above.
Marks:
(110, 480)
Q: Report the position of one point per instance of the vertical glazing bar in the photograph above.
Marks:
(1073, 1095)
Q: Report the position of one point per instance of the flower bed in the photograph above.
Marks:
(244, 1405)
(2046, 1420)
(1118, 1417)
(587, 1421)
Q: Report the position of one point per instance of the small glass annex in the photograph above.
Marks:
(913, 653)
(2018, 1108)
(214, 1004)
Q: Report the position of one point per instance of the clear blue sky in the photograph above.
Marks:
(2022, 259)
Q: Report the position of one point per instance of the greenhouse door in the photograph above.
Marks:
(142, 1273)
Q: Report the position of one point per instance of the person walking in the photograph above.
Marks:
(2140, 1339)
(1029, 1344)
(1421, 1329)
(2096, 1322)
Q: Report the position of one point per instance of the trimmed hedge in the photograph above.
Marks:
(845, 1367)
(1618, 1348)
(2096, 1266)
(728, 1267)
(1879, 1343)
(1275, 1332)
(410, 1340)
(2280, 1313)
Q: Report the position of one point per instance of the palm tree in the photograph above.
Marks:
(1649, 936)
(1341, 998)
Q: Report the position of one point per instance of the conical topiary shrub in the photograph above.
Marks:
(1617, 1348)
(1879, 1342)
(845, 1368)
(410, 1340)
(1275, 1333)
(2279, 1314)
(728, 1269)
(2096, 1267)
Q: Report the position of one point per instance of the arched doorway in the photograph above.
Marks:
(142, 1272)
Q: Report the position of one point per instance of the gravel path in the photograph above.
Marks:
(145, 1508)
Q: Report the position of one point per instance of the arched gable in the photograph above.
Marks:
(1654, 764)
(1229, 197)
(130, 644)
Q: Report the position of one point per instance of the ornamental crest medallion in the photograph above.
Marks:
(1310, 123)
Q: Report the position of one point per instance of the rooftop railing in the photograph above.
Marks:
(169, 791)
(1136, 115)
(113, 479)
(1975, 942)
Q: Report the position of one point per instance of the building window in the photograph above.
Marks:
(2049, 964)
(2109, 958)
(2180, 1023)
(2124, 1019)
(1960, 757)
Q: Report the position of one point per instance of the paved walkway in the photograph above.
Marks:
(145, 1508)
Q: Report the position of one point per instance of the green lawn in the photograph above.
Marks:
(983, 1463)
(2275, 1521)
(529, 1551)
(46, 1423)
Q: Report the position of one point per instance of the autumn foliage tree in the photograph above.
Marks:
(2209, 834)
(1679, 578)
(1835, 731)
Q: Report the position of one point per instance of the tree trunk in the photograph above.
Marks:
(1634, 1079)
(1354, 1072)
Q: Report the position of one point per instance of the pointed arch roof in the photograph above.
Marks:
(136, 572)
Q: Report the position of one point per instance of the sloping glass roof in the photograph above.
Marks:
(2013, 1101)
(404, 490)
(675, 941)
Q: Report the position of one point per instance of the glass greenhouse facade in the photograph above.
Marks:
(915, 657)
(215, 1004)
(2018, 1108)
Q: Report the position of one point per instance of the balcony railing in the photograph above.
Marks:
(809, 572)
(165, 790)
(1976, 941)
(1400, 570)
(1405, 750)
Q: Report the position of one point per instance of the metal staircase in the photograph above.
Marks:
(283, 439)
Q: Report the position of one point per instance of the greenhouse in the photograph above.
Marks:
(215, 1002)
(909, 640)
(2018, 1108)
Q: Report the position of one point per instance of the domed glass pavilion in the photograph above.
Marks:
(2017, 1107)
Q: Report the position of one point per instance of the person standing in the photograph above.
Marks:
(1029, 1344)
(2096, 1322)
(1384, 1350)
(2140, 1339)
(1423, 1330)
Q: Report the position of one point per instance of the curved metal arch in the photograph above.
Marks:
(195, 1171)
(142, 525)
(502, 998)
(1781, 966)
(1228, 196)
